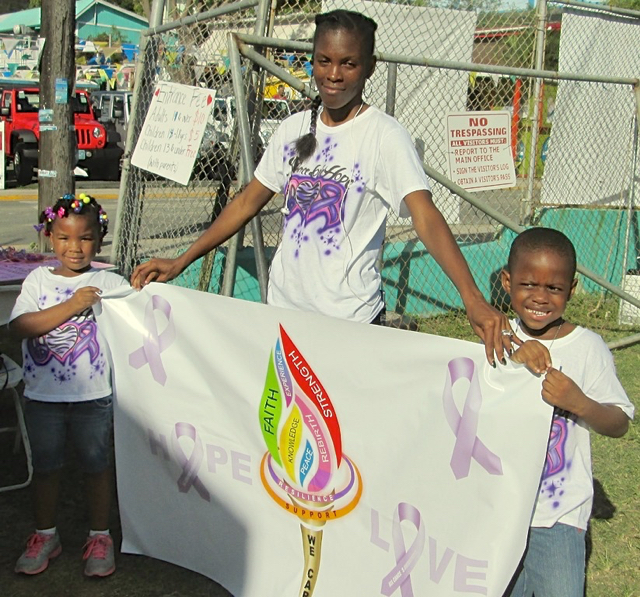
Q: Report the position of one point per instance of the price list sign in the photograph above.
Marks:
(172, 132)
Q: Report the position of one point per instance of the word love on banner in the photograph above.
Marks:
(173, 129)
(401, 464)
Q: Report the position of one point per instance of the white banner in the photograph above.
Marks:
(254, 443)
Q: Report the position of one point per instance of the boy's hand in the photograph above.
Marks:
(560, 390)
(85, 297)
(534, 355)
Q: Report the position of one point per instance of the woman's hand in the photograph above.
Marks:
(155, 270)
(489, 324)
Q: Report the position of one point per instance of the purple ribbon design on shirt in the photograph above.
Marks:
(189, 477)
(400, 575)
(465, 426)
(153, 343)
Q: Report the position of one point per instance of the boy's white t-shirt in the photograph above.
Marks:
(68, 364)
(337, 203)
(566, 489)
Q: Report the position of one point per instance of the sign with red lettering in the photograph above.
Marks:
(479, 150)
(173, 128)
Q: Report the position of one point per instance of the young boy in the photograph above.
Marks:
(580, 382)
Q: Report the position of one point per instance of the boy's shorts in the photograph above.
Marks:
(87, 424)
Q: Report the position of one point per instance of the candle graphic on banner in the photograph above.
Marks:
(304, 470)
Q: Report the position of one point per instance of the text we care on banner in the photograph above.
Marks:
(284, 453)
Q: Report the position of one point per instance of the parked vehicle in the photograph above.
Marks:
(113, 110)
(97, 149)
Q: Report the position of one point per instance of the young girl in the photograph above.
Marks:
(580, 382)
(341, 166)
(67, 379)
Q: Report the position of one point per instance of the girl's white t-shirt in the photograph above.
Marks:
(337, 203)
(565, 494)
(67, 364)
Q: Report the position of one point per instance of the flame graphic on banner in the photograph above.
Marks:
(304, 469)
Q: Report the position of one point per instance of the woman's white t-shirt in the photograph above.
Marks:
(337, 203)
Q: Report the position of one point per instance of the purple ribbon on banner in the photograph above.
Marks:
(189, 477)
(400, 575)
(465, 426)
(153, 343)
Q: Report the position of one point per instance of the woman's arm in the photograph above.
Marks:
(232, 218)
(435, 234)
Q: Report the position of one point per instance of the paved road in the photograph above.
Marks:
(19, 212)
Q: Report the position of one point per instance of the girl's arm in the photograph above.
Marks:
(435, 234)
(607, 419)
(232, 218)
(38, 323)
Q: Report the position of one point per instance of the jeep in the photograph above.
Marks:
(97, 149)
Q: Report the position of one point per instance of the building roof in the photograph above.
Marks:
(32, 16)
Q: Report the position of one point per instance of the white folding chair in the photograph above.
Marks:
(10, 377)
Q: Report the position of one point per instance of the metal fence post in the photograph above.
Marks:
(529, 203)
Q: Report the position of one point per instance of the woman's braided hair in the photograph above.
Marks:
(83, 204)
(333, 21)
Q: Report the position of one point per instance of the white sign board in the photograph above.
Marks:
(172, 132)
(2, 166)
(479, 150)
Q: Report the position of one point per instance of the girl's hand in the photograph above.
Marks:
(85, 297)
(156, 269)
(534, 355)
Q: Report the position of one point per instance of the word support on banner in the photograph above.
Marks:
(479, 151)
(173, 129)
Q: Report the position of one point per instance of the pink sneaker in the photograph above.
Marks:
(99, 556)
(40, 549)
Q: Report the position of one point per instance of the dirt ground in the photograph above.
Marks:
(135, 576)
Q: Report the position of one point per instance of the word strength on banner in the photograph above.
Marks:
(479, 151)
(172, 132)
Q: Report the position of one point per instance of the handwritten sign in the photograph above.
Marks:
(172, 132)
(479, 150)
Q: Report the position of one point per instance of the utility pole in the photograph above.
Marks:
(57, 143)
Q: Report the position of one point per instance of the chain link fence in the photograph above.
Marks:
(565, 73)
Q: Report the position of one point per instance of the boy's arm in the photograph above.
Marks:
(37, 323)
(607, 419)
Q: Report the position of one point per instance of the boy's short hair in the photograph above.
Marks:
(536, 239)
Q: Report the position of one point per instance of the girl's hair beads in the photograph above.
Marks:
(83, 204)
